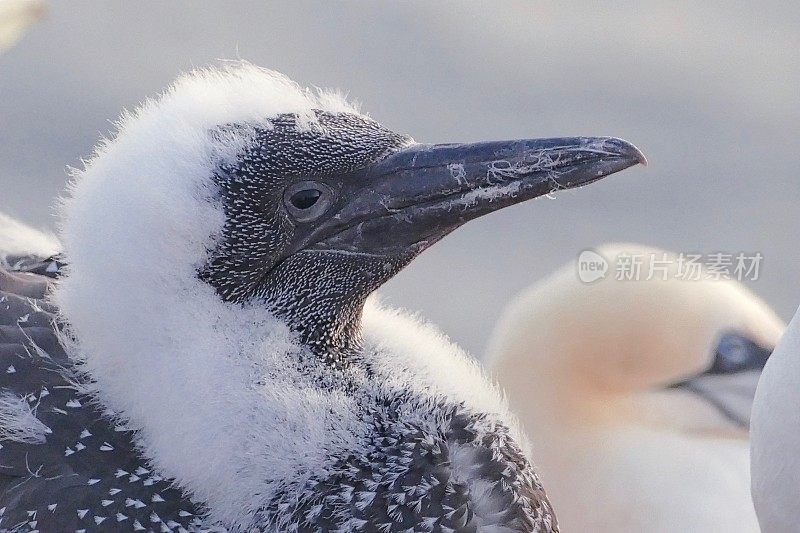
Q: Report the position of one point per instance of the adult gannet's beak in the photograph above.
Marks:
(412, 198)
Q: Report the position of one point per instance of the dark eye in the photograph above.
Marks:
(308, 200)
(305, 198)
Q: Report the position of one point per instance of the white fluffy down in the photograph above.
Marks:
(213, 390)
(423, 359)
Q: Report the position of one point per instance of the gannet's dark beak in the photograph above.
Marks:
(730, 384)
(415, 196)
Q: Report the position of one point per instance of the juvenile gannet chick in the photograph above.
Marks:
(637, 393)
(219, 251)
(775, 437)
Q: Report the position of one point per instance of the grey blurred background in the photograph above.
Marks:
(710, 91)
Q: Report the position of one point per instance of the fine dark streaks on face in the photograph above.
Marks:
(259, 229)
(263, 229)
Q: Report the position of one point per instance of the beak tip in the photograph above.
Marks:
(632, 151)
(641, 157)
(626, 150)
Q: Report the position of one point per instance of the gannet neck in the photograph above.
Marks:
(330, 322)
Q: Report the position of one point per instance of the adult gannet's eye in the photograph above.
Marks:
(737, 353)
(306, 200)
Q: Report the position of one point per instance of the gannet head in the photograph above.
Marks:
(270, 193)
(701, 342)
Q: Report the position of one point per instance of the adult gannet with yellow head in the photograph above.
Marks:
(637, 392)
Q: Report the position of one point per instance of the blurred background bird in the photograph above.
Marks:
(15, 17)
(636, 394)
